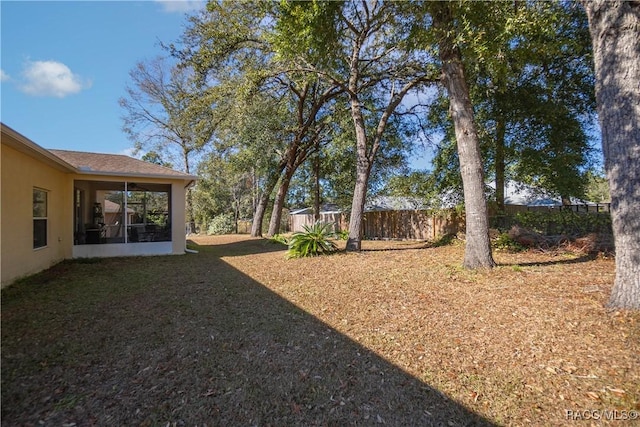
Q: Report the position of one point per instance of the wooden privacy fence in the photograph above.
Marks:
(337, 219)
(410, 224)
(404, 224)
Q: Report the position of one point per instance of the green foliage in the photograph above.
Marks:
(308, 27)
(529, 69)
(564, 222)
(313, 241)
(506, 243)
(342, 234)
(597, 187)
(221, 224)
(155, 158)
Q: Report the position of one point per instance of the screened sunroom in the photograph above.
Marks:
(108, 212)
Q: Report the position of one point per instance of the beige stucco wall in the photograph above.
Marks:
(178, 213)
(20, 173)
(25, 166)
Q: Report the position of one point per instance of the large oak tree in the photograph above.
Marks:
(478, 246)
(615, 34)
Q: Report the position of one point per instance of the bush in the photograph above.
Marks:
(313, 241)
(506, 243)
(564, 222)
(556, 222)
(342, 235)
(222, 224)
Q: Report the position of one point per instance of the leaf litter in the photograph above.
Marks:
(398, 334)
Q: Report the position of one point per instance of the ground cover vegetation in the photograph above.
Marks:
(397, 334)
(327, 101)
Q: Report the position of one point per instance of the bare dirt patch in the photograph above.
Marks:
(398, 334)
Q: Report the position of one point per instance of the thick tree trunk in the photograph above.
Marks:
(258, 215)
(354, 243)
(278, 202)
(263, 201)
(363, 168)
(478, 246)
(615, 34)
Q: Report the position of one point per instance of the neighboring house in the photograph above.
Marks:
(394, 203)
(522, 197)
(56, 205)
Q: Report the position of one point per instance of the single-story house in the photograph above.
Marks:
(56, 205)
(523, 197)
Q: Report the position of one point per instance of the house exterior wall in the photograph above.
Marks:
(178, 217)
(20, 174)
(25, 166)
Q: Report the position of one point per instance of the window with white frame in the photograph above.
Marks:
(40, 219)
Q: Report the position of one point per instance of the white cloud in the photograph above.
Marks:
(51, 78)
(181, 6)
(4, 76)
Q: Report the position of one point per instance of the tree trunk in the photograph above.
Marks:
(263, 201)
(316, 183)
(363, 168)
(190, 215)
(478, 246)
(258, 215)
(354, 243)
(615, 34)
(191, 218)
(278, 203)
(500, 164)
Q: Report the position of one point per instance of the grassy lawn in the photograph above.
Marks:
(238, 335)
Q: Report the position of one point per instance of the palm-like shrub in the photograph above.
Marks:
(313, 241)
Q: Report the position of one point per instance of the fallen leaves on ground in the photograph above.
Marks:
(397, 334)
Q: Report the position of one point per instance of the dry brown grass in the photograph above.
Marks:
(398, 334)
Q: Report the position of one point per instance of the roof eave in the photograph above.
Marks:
(23, 144)
(137, 175)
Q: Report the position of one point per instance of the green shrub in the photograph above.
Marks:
(313, 241)
(342, 235)
(505, 242)
(222, 224)
(564, 222)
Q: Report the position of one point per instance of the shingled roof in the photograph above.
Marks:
(116, 164)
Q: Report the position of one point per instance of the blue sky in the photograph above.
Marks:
(66, 64)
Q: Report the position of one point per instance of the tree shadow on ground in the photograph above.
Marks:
(577, 260)
(192, 341)
(407, 245)
(239, 248)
